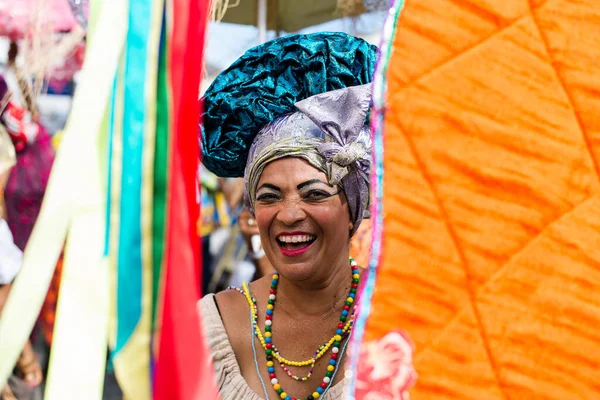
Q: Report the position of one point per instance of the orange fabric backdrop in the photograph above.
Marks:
(491, 257)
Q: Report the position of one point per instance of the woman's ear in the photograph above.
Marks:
(350, 225)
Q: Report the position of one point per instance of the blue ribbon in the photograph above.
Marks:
(129, 267)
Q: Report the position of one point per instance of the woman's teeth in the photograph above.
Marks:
(296, 238)
(295, 242)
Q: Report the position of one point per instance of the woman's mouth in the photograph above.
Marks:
(294, 244)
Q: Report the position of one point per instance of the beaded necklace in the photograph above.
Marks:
(283, 362)
(337, 339)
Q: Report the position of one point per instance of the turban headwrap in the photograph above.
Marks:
(304, 96)
(329, 132)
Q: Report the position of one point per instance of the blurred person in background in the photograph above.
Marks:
(255, 249)
(207, 222)
(27, 374)
(231, 248)
(221, 201)
(28, 179)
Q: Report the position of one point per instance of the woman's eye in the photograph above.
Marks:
(317, 195)
(267, 197)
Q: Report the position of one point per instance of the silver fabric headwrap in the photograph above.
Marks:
(329, 132)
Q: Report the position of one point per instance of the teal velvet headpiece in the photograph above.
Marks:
(267, 81)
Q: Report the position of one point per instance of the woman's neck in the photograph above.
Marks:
(315, 297)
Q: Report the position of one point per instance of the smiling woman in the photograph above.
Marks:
(304, 221)
(290, 117)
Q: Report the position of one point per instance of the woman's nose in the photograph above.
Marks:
(290, 213)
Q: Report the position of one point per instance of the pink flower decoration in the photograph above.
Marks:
(385, 370)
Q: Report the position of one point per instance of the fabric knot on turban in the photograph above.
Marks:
(339, 158)
(341, 114)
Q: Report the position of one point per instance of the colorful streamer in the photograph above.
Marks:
(80, 326)
(161, 158)
(132, 345)
(113, 215)
(129, 260)
(183, 355)
(131, 276)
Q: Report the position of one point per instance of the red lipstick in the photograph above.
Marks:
(295, 252)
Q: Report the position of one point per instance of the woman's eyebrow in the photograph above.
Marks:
(310, 182)
(268, 186)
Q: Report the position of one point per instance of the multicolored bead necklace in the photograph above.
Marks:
(283, 362)
(263, 339)
(342, 329)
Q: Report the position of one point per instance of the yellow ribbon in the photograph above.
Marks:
(115, 201)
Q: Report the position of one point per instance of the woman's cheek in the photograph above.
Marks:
(327, 215)
(264, 216)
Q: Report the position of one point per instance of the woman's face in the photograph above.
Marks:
(304, 222)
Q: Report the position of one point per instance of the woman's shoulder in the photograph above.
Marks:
(224, 322)
(231, 304)
(234, 309)
(225, 345)
(234, 300)
(218, 309)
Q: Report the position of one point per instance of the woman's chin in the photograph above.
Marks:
(297, 271)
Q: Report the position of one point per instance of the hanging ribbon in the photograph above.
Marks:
(161, 162)
(80, 336)
(134, 260)
(113, 214)
(183, 367)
